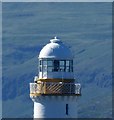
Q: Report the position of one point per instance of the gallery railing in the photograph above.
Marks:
(55, 88)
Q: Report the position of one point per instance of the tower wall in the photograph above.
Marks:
(55, 107)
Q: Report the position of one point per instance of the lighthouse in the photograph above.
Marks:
(54, 90)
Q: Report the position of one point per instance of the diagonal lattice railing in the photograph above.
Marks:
(55, 88)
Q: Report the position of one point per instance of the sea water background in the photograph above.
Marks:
(84, 27)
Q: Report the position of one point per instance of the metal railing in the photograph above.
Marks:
(55, 88)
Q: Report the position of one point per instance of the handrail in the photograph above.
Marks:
(52, 87)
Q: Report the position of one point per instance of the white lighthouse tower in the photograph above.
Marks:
(54, 91)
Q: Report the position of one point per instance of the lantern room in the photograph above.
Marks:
(55, 61)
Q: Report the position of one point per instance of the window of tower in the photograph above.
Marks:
(71, 65)
(40, 65)
(40, 68)
(67, 63)
(44, 66)
(56, 65)
(62, 65)
(44, 62)
(67, 66)
(50, 65)
(40, 62)
(66, 109)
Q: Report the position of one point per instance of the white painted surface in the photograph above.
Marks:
(64, 75)
(55, 107)
(57, 50)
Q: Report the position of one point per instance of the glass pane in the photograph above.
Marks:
(71, 63)
(61, 63)
(72, 69)
(40, 69)
(40, 62)
(49, 69)
(67, 69)
(50, 63)
(44, 68)
(62, 68)
(44, 62)
(56, 65)
(67, 63)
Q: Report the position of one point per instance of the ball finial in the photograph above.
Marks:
(55, 40)
(55, 37)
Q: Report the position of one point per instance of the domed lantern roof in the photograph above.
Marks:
(56, 50)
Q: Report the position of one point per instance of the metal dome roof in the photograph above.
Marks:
(56, 49)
